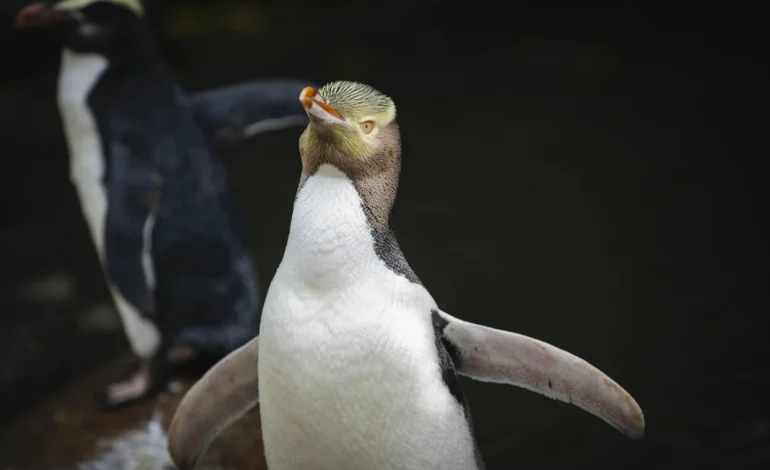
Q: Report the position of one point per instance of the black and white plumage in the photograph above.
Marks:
(152, 189)
(241, 111)
(356, 366)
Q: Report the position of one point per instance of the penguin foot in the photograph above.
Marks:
(152, 376)
(127, 392)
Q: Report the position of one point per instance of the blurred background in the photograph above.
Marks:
(588, 176)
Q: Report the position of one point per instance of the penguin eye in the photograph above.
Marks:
(367, 127)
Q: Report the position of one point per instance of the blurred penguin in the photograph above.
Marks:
(153, 191)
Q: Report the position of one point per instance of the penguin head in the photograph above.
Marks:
(352, 126)
(106, 27)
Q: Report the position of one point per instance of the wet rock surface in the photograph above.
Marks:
(66, 432)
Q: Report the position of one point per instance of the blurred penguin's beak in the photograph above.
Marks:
(318, 110)
(39, 14)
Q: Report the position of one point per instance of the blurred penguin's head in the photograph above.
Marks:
(106, 27)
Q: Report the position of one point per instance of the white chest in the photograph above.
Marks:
(79, 73)
(348, 370)
(78, 76)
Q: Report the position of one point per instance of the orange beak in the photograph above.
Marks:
(38, 14)
(317, 108)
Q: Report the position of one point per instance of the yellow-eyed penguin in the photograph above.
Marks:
(356, 365)
(153, 191)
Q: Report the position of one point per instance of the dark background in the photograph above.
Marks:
(589, 176)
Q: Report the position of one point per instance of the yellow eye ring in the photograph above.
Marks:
(367, 127)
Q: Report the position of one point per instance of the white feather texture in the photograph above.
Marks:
(349, 376)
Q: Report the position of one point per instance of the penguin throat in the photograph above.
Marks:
(330, 240)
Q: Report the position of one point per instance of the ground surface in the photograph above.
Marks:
(579, 178)
(65, 432)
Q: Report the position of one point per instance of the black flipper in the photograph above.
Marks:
(238, 112)
(134, 203)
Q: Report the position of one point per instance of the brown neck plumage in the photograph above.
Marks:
(375, 177)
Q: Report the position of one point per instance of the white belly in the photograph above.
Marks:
(79, 73)
(348, 368)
